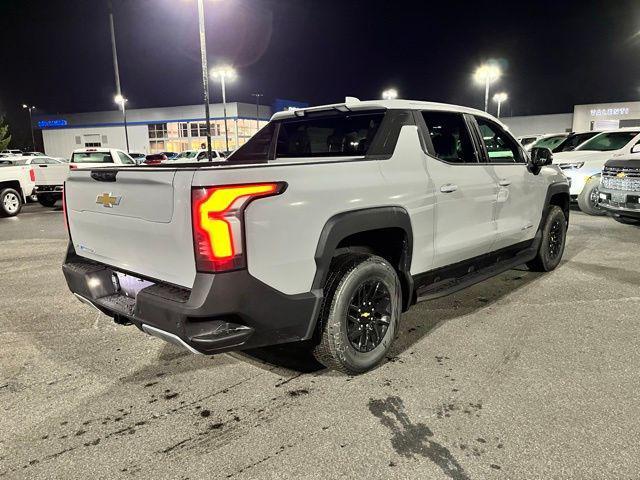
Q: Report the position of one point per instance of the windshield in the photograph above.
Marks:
(608, 141)
(91, 157)
(549, 142)
(572, 141)
(18, 162)
(527, 140)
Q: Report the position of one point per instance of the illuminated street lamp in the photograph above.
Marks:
(499, 98)
(120, 100)
(31, 108)
(390, 94)
(224, 73)
(486, 75)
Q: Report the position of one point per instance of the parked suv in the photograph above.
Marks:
(324, 227)
(584, 164)
(619, 192)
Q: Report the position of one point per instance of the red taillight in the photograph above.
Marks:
(32, 175)
(217, 223)
(72, 166)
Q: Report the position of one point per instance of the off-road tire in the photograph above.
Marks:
(588, 198)
(10, 202)
(348, 275)
(554, 236)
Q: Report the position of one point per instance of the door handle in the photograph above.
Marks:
(504, 182)
(448, 188)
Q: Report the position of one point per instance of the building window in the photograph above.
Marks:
(183, 130)
(156, 146)
(92, 144)
(158, 130)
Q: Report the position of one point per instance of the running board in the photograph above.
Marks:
(447, 286)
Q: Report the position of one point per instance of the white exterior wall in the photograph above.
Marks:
(539, 124)
(62, 142)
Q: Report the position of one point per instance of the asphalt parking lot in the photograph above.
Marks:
(523, 376)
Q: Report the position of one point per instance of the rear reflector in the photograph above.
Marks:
(218, 216)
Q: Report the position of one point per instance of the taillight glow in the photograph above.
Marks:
(32, 175)
(217, 223)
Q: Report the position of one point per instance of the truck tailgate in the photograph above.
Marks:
(51, 174)
(137, 221)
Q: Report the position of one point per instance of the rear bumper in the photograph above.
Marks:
(222, 312)
(49, 190)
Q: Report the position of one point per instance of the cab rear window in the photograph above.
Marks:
(343, 135)
(336, 135)
(91, 157)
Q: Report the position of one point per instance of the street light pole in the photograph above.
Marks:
(33, 138)
(224, 73)
(499, 98)
(257, 95)
(122, 101)
(114, 52)
(205, 76)
(486, 94)
(224, 110)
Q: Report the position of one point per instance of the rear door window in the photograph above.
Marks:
(450, 137)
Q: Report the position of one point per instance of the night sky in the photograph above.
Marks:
(555, 54)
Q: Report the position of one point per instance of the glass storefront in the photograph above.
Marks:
(181, 136)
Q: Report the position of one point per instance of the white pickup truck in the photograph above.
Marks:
(16, 185)
(322, 228)
(50, 175)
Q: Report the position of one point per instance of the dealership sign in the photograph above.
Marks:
(608, 112)
(52, 123)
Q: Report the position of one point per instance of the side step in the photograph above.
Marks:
(447, 286)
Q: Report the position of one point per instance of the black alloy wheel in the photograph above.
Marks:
(368, 316)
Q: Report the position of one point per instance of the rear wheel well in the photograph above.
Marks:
(388, 243)
(12, 184)
(562, 200)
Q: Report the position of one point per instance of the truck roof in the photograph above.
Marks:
(353, 104)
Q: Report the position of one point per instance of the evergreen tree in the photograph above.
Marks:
(5, 138)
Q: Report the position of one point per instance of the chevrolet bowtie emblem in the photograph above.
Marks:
(106, 200)
(621, 175)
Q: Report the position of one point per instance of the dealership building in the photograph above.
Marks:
(153, 130)
(597, 116)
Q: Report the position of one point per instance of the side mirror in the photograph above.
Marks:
(635, 148)
(541, 157)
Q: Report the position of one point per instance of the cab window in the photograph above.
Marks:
(501, 147)
(449, 137)
(126, 159)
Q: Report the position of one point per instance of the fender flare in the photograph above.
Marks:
(555, 189)
(344, 224)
